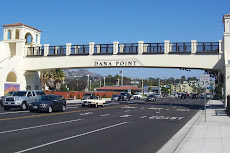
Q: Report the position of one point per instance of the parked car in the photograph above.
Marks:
(137, 96)
(21, 99)
(48, 103)
(194, 96)
(184, 96)
(6, 95)
(151, 98)
(158, 95)
(115, 97)
(88, 96)
(93, 102)
(124, 96)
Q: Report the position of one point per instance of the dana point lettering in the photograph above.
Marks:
(114, 63)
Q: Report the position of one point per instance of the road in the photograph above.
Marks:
(119, 127)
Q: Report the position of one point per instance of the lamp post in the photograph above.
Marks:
(118, 82)
(100, 84)
(104, 81)
(88, 83)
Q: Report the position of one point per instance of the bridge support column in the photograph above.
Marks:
(91, 48)
(46, 49)
(140, 47)
(115, 47)
(166, 46)
(226, 48)
(68, 48)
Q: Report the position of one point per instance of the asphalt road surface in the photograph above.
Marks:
(120, 127)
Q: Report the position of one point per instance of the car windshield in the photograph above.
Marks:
(45, 98)
(19, 93)
(9, 93)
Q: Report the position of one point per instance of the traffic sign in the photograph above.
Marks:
(205, 81)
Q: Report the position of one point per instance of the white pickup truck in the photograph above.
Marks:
(93, 102)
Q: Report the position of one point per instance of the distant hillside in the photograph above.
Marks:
(80, 73)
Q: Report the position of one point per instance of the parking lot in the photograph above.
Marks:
(127, 126)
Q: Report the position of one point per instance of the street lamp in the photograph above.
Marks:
(88, 83)
(100, 84)
(104, 81)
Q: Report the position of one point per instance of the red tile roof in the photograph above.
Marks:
(20, 24)
(227, 15)
(119, 88)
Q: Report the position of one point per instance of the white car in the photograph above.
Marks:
(93, 102)
(137, 96)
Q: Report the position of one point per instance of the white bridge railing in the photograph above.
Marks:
(167, 47)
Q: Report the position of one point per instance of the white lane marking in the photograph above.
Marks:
(167, 109)
(142, 108)
(33, 127)
(15, 112)
(104, 115)
(72, 107)
(125, 115)
(143, 117)
(87, 113)
(127, 111)
(157, 112)
(183, 110)
(75, 136)
(165, 118)
(155, 108)
(128, 107)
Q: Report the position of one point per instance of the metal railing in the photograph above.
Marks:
(211, 47)
(57, 50)
(79, 50)
(131, 48)
(35, 51)
(103, 49)
(182, 47)
(153, 47)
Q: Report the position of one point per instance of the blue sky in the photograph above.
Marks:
(126, 21)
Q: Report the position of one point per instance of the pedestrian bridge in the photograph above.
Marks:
(21, 59)
(189, 55)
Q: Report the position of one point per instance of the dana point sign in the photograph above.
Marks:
(117, 63)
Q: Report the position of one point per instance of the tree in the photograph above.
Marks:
(77, 85)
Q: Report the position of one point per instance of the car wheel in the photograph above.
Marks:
(31, 110)
(83, 105)
(23, 106)
(50, 109)
(6, 108)
(63, 108)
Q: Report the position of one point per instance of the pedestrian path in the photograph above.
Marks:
(212, 136)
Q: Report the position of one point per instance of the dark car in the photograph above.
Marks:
(115, 97)
(89, 96)
(8, 94)
(194, 96)
(48, 103)
(124, 96)
(151, 98)
(184, 96)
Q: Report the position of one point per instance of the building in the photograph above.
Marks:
(180, 88)
(124, 88)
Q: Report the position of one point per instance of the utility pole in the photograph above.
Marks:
(104, 81)
(142, 87)
(87, 83)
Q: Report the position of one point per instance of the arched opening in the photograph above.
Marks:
(9, 34)
(11, 77)
(28, 38)
(17, 34)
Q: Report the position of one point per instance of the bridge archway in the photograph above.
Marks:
(11, 77)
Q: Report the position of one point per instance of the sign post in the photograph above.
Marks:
(205, 83)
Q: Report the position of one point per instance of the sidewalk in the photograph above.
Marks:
(212, 136)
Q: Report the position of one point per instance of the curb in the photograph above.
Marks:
(176, 142)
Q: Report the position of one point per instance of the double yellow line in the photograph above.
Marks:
(23, 117)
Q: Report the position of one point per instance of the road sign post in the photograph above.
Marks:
(205, 83)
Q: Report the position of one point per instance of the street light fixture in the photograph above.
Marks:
(104, 81)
